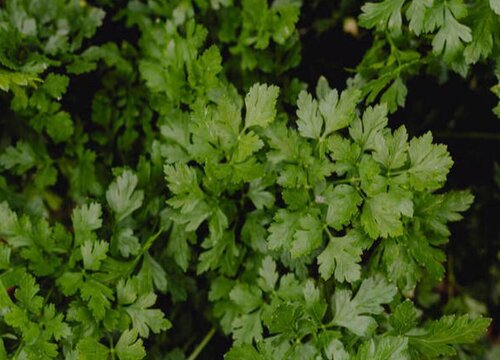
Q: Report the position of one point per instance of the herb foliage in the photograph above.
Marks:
(203, 178)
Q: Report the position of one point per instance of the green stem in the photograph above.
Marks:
(149, 242)
(47, 296)
(394, 48)
(202, 344)
(329, 233)
(346, 181)
(18, 351)
(111, 346)
(397, 172)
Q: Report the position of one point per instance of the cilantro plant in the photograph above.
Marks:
(200, 202)
(437, 36)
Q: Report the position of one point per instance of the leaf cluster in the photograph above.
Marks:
(298, 225)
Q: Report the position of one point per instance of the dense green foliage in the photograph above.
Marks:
(171, 189)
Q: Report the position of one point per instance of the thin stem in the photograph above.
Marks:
(18, 351)
(397, 172)
(47, 296)
(149, 242)
(329, 233)
(394, 48)
(329, 325)
(202, 344)
(346, 181)
(111, 346)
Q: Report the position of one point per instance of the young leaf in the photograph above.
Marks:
(343, 202)
(342, 256)
(261, 105)
(429, 163)
(129, 347)
(385, 14)
(404, 318)
(93, 253)
(122, 196)
(144, 319)
(309, 121)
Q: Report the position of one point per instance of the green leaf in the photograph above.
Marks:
(441, 335)
(243, 352)
(343, 202)
(365, 131)
(91, 349)
(336, 351)
(390, 150)
(308, 237)
(260, 104)
(309, 121)
(268, 274)
(27, 296)
(382, 214)
(429, 163)
(55, 85)
(144, 319)
(153, 273)
(483, 32)
(247, 297)
(16, 231)
(70, 282)
(98, 296)
(93, 253)
(450, 37)
(342, 255)
(315, 304)
(404, 318)
(395, 95)
(178, 247)
(400, 266)
(129, 347)
(10, 80)
(338, 113)
(282, 229)
(53, 323)
(386, 348)
(435, 211)
(323, 88)
(247, 328)
(122, 196)
(60, 126)
(19, 159)
(86, 219)
(382, 15)
(416, 13)
(181, 178)
(248, 144)
(495, 6)
(127, 243)
(259, 196)
(345, 154)
(352, 313)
